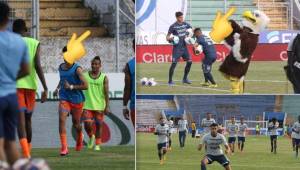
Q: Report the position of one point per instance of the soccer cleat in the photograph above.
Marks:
(170, 149)
(186, 81)
(161, 162)
(165, 157)
(91, 142)
(64, 151)
(97, 148)
(213, 86)
(171, 83)
(205, 84)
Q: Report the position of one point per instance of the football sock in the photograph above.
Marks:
(242, 146)
(171, 71)
(159, 155)
(187, 69)
(25, 149)
(98, 141)
(203, 166)
(63, 141)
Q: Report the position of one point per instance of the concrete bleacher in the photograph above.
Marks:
(60, 17)
(148, 110)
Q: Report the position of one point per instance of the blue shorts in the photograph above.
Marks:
(231, 139)
(241, 139)
(297, 141)
(182, 52)
(162, 146)
(221, 159)
(9, 112)
(273, 137)
(206, 68)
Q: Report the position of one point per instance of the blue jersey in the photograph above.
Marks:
(179, 30)
(13, 52)
(209, 49)
(73, 96)
(131, 66)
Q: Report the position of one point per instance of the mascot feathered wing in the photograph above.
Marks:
(242, 42)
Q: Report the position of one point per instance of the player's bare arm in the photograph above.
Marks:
(82, 86)
(24, 70)
(127, 90)
(106, 92)
(39, 72)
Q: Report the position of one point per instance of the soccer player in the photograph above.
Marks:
(71, 99)
(14, 64)
(27, 86)
(242, 129)
(232, 129)
(210, 56)
(296, 129)
(183, 129)
(206, 122)
(194, 128)
(170, 124)
(96, 102)
(162, 132)
(211, 142)
(272, 127)
(293, 134)
(179, 28)
(257, 129)
(129, 88)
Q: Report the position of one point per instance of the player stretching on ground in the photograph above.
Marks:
(296, 129)
(14, 64)
(272, 127)
(27, 86)
(210, 56)
(71, 99)
(170, 124)
(96, 102)
(129, 88)
(242, 134)
(162, 132)
(232, 129)
(182, 129)
(206, 122)
(214, 152)
(179, 28)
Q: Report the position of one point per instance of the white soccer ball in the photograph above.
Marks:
(198, 50)
(144, 81)
(190, 32)
(151, 82)
(4, 165)
(175, 39)
(31, 164)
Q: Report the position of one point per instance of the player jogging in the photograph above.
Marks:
(14, 64)
(179, 28)
(194, 128)
(242, 129)
(27, 86)
(96, 102)
(272, 127)
(212, 143)
(296, 129)
(232, 129)
(182, 129)
(71, 99)
(162, 132)
(210, 56)
(206, 122)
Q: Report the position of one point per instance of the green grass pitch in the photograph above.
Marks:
(109, 158)
(256, 156)
(263, 77)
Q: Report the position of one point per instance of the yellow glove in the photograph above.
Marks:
(221, 26)
(75, 48)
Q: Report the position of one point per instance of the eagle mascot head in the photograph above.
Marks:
(257, 21)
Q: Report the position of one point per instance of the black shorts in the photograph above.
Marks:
(221, 159)
(162, 146)
(297, 141)
(273, 137)
(8, 116)
(231, 139)
(241, 139)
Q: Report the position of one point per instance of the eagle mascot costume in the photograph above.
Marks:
(241, 40)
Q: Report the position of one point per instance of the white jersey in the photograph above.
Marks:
(273, 128)
(205, 123)
(296, 128)
(163, 132)
(182, 125)
(242, 130)
(170, 123)
(213, 144)
(232, 129)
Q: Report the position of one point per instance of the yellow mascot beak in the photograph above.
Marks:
(248, 15)
(75, 48)
(221, 26)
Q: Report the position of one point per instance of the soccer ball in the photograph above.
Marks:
(4, 165)
(151, 82)
(31, 164)
(189, 32)
(190, 40)
(144, 81)
(198, 50)
(175, 39)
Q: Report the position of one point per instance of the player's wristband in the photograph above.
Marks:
(71, 87)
